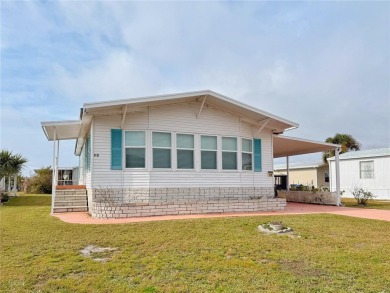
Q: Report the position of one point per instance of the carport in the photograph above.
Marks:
(284, 146)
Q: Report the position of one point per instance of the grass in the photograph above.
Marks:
(372, 204)
(39, 253)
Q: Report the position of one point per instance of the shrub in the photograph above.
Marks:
(4, 197)
(40, 182)
(362, 197)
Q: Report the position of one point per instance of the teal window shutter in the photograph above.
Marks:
(257, 155)
(88, 153)
(116, 149)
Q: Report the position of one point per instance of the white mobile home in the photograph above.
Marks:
(368, 169)
(194, 152)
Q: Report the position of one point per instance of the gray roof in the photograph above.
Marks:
(384, 152)
(299, 165)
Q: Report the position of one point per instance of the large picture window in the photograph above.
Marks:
(185, 151)
(208, 152)
(135, 149)
(367, 170)
(246, 154)
(162, 144)
(229, 153)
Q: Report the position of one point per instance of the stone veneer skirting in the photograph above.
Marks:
(319, 197)
(106, 202)
(127, 210)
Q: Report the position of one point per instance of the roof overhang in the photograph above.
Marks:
(61, 130)
(284, 146)
(250, 114)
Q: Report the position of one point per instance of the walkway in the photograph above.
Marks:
(292, 209)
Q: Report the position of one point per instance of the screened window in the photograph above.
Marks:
(246, 154)
(367, 170)
(185, 151)
(162, 144)
(135, 149)
(326, 176)
(229, 153)
(208, 145)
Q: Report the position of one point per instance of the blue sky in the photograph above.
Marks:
(325, 65)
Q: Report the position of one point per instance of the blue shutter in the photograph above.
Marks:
(257, 154)
(116, 149)
(88, 153)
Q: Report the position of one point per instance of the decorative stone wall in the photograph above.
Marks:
(106, 202)
(127, 210)
(320, 197)
(161, 194)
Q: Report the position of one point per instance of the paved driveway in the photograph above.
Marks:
(292, 208)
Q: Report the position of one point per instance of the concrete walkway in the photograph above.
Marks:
(292, 209)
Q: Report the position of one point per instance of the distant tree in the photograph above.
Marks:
(40, 182)
(10, 164)
(347, 142)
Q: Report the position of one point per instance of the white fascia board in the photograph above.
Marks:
(188, 95)
(310, 141)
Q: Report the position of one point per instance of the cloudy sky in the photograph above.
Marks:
(325, 65)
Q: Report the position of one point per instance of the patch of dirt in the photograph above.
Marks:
(96, 253)
(301, 268)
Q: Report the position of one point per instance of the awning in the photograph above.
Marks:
(284, 146)
(61, 130)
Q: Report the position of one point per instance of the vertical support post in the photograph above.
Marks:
(337, 176)
(9, 184)
(2, 183)
(54, 179)
(14, 189)
(288, 174)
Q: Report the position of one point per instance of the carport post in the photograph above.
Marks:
(55, 173)
(288, 174)
(337, 175)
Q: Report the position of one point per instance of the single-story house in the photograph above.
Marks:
(367, 169)
(186, 153)
(307, 173)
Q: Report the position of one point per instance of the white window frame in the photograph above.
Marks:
(251, 139)
(169, 148)
(135, 147)
(372, 170)
(229, 151)
(217, 151)
(185, 149)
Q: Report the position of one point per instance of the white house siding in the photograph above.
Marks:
(179, 118)
(350, 177)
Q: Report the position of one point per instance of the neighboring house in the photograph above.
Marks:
(368, 169)
(307, 173)
(198, 152)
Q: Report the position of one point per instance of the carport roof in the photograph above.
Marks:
(284, 146)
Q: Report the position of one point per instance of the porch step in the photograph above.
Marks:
(71, 192)
(70, 197)
(70, 209)
(65, 203)
(70, 200)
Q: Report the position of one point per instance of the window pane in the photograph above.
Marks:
(246, 145)
(135, 158)
(135, 138)
(208, 142)
(246, 161)
(161, 139)
(185, 159)
(161, 158)
(229, 161)
(185, 141)
(209, 160)
(229, 143)
(367, 170)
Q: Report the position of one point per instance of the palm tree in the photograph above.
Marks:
(347, 142)
(10, 164)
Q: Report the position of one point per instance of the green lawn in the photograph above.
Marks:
(39, 253)
(372, 204)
